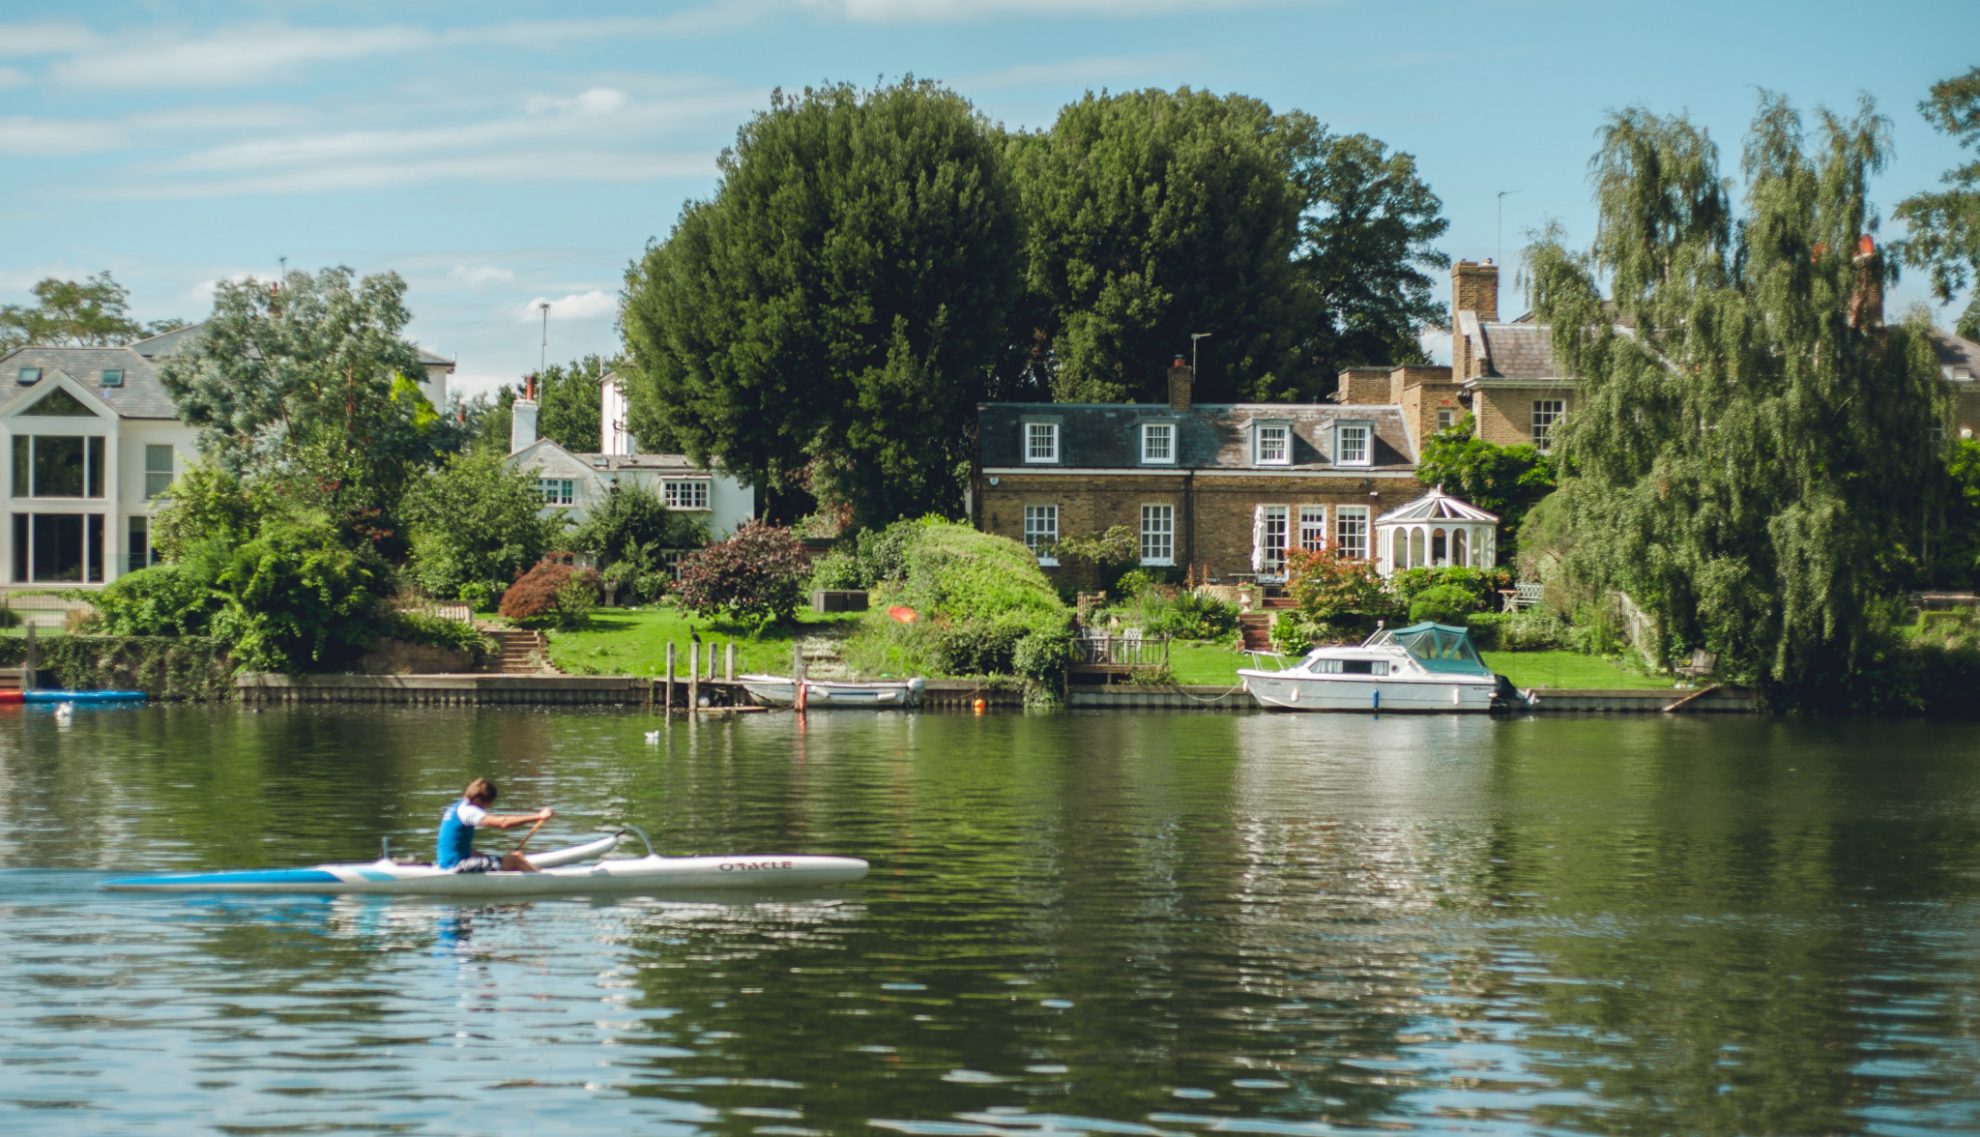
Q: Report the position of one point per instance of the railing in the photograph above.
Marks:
(1132, 650)
(454, 610)
(43, 609)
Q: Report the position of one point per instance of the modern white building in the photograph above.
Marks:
(93, 442)
(573, 483)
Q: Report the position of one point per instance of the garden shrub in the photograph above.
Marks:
(474, 522)
(480, 596)
(1487, 629)
(1482, 584)
(1195, 616)
(754, 577)
(1338, 597)
(436, 631)
(541, 592)
(295, 596)
(161, 600)
(1444, 604)
(577, 596)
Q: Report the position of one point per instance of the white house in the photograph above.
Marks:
(573, 483)
(93, 441)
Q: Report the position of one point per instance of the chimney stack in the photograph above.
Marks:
(1181, 377)
(522, 417)
(1474, 301)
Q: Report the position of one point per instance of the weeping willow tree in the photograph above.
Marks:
(1751, 446)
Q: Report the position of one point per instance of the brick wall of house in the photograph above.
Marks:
(1365, 386)
(1213, 519)
(1505, 414)
(1422, 390)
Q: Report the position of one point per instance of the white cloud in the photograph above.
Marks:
(597, 100)
(46, 38)
(594, 305)
(12, 77)
(266, 53)
(535, 166)
(480, 276)
(195, 118)
(48, 137)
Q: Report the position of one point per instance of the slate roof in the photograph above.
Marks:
(1959, 359)
(141, 396)
(1208, 436)
(1519, 351)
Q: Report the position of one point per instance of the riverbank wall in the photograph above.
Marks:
(719, 696)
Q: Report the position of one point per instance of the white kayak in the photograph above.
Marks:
(564, 872)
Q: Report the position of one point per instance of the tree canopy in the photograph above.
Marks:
(829, 316)
(311, 378)
(569, 401)
(93, 312)
(1746, 453)
(1944, 227)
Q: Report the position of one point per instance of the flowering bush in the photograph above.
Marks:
(756, 576)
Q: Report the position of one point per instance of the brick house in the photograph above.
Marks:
(1224, 490)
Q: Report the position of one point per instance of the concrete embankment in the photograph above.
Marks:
(716, 695)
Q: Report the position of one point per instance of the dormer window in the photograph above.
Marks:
(1158, 443)
(1353, 444)
(1271, 444)
(113, 377)
(1041, 442)
(29, 376)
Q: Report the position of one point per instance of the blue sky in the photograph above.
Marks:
(498, 154)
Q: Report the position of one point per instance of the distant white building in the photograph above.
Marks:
(93, 441)
(573, 483)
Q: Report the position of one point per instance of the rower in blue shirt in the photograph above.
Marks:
(455, 851)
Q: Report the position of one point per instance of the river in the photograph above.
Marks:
(1076, 922)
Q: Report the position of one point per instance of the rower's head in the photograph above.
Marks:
(481, 792)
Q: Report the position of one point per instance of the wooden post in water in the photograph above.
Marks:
(668, 708)
(694, 679)
(729, 662)
(28, 667)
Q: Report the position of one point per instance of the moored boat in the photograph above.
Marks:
(782, 690)
(564, 872)
(1425, 667)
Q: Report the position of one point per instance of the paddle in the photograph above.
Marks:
(528, 835)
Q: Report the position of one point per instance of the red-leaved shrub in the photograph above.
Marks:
(535, 593)
(755, 576)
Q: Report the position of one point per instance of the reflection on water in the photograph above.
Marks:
(1081, 922)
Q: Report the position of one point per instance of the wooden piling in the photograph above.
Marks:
(669, 707)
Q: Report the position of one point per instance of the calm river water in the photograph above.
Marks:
(1075, 922)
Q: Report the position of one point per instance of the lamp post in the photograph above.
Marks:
(1498, 223)
(1193, 337)
(543, 350)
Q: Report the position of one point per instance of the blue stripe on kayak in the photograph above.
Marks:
(246, 876)
(45, 696)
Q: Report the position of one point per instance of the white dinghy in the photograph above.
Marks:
(564, 872)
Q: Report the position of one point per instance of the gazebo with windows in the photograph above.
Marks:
(1436, 531)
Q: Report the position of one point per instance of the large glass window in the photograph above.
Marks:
(157, 470)
(58, 548)
(557, 491)
(1158, 534)
(1546, 412)
(1041, 531)
(685, 494)
(1271, 538)
(1351, 531)
(1313, 527)
(58, 465)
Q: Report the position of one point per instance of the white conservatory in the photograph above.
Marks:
(1436, 531)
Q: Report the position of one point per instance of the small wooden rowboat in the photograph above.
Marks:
(564, 873)
(781, 691)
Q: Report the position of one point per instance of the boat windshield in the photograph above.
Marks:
(1437, 647)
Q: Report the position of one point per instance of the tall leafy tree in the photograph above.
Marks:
(835, 308)
(1152, 215)
(1944, 227)
(475, 523)
(1366, 243)
(311, 379)
(93, 312)
(1743, 459)
(569, 396)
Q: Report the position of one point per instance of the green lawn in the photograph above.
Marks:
(633, 641)
(1569, 670)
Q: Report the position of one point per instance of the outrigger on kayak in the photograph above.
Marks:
(573, 871)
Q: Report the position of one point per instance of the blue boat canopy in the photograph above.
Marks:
(1440, 648)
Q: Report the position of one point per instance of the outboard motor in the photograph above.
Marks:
(1506, 697)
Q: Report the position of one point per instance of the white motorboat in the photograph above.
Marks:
(781, 691)
(564, 872)
(1425, 667)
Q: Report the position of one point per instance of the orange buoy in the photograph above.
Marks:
(979, 706)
